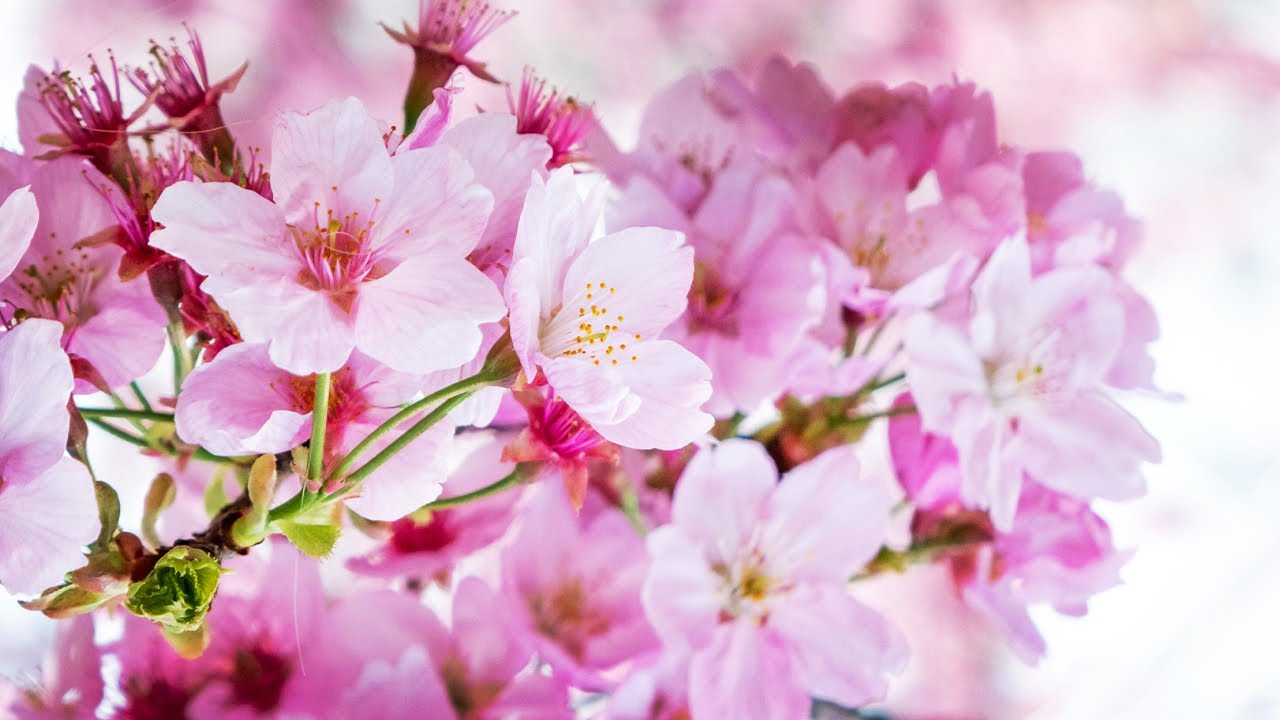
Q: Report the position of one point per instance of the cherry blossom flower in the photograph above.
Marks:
(586, 315)
(70, 686)
(750, 578)
(1021, 391)
(358, 248)
(574, 589)
(47, 508)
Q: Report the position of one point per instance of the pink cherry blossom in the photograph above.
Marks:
(483, 661)
(241, 403)
(750, 577)
(1021, 390)
(70, 275)
(427, 548)
(47, 508)
(586, 316)
(360, 250)
(575, 588)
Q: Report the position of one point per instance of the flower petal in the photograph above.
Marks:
(44, 522)
(437, 207)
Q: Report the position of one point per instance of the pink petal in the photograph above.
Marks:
(825, 521)
(125, 338)
(670, 384)
(682, 596)
(840, 649)
(18, 219)
(555, 226)
(410, 479)
(648, 272)
(334, 156)
(35, 383)
(223, 230)
(745, 674)
(44, 523)
(242, 404)
(438, 207)
(721, 496)
(426, 314)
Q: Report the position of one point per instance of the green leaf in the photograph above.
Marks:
(314, 540)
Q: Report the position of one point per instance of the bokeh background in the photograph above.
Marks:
(1173, 103)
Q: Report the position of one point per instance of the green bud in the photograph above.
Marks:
(178, 591)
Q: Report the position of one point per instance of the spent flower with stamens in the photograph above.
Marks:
(561, 119)
(181, 90)
(451, 29)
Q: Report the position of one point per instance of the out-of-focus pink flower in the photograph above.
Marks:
(47, 508)
(426, 548)
(586, 317)
(575, 590)
(70, 687)
(751, 578)
(69, 274)
(483, 660)
(359, 250)
(242, 404)
(1058, 551)
(657, 690)
(1021, 389)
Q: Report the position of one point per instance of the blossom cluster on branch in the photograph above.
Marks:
(577, 430)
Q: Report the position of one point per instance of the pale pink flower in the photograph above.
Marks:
(586, 316)
(241, 403)
(427, 548)
(656, 690)
(574, 587)
(1021, 390)
(750, 577)
(47, 508)
(360, 250)
(69, 274)
(1058, 551)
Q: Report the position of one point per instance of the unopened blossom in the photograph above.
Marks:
(573, 586)
(241, 404)
(750, 578)
(586, 316)
(47, 508)
(1021, 390)
(360, 250)
(69, 274)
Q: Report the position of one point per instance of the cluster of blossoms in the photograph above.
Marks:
(637, 423)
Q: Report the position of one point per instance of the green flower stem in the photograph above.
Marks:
(919, 552)
(181, 359)
(409, 436)
(142, 397)
(126, 413)
(125, 435)
(513, 478)
(467, 385)
(319, 422)
(859, 419)
(878, 384)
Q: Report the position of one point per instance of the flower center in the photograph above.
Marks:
(258, 678)
(567, 434)
(60, 287)
(409, 536)
(713, 304)
(747, 586)
(588, 330)
(336, 253)
(153, 699)
(566, 616)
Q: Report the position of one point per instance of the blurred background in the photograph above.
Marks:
(1173, 103)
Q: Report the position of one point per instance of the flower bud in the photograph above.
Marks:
(178, 592)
